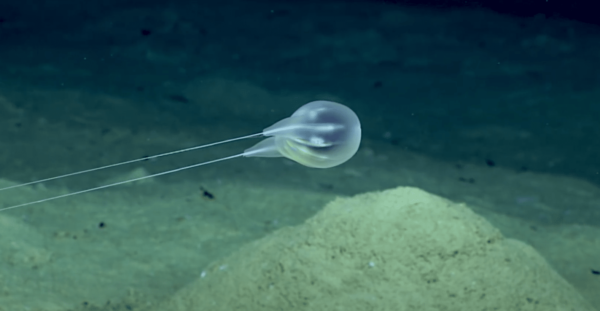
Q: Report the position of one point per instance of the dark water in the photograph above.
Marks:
(428, 75)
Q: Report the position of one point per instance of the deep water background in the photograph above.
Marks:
(431, 76)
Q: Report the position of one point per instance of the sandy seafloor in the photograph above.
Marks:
(494, 111)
